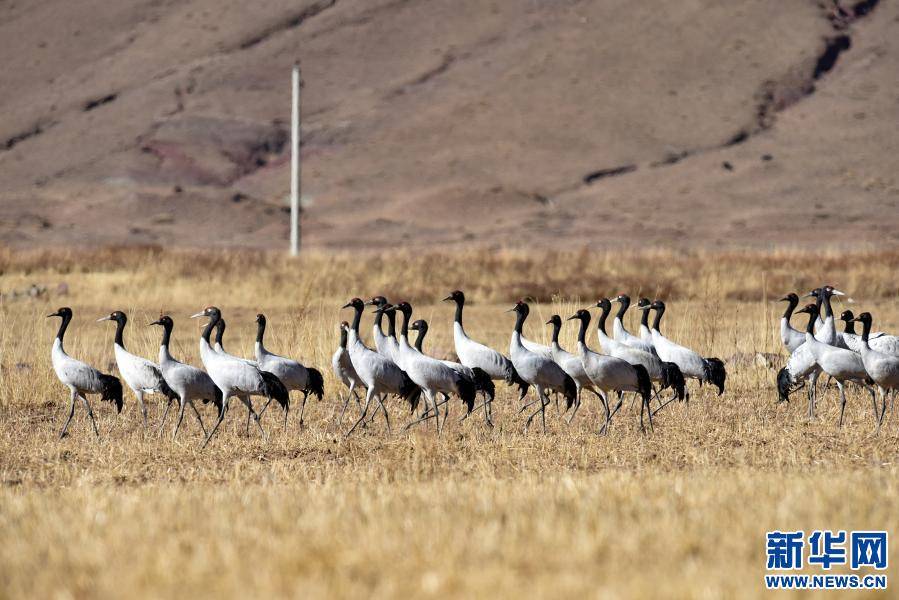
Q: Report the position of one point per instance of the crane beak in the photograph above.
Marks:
(52, 315)
(784, 299)
(838, 293)
(447, 299)
(368, 303)
(347, 305)
(647, 307)
(513, 309)
(198, 315)
(153, 323)
(106, 318)
(572, 318)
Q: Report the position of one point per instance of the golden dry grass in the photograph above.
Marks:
(478, 512)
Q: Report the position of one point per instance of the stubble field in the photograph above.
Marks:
(476, 512)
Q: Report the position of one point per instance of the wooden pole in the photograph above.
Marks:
(295, 165)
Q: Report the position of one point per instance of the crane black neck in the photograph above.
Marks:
(828, 311)
(260, 330)
(404, 328)
(810, 328)
(603, 315)
(582, 332)
(343, 337)
(357, 318)
(220, 332)
(460, 304)
(866, 331)
(120, 329)
(166, 334)
(391, 324)
(519, 320)
(422, 332)
(379, 316)
(644, 319)
(625, 304)
(656, 323)
(819, 301)
(850, 327)
(557, 326)
(791, 306)
(63, 325)
(207, 331)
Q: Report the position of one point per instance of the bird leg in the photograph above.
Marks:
(542, 410)
(383, 408)
(165, 414)
(250, 412)
(143, 407)
(609, 415)
(65, 428)
(368, 396)
(180, 418)
(842, 400)
(90, 415)
(199, 418)
(218, 422)
(303, 407)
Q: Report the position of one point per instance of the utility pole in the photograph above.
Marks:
(295, 164)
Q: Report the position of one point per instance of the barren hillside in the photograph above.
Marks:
(506, 122)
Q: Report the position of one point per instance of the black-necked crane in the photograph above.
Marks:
(790, 337)
(380, 375)
(294, 375)
(537, 370)
(666, 374)
(383, 344)
(645, 331)
(344, 371)
(474, 354)
(691, 364)
(81, 379)
(188, 382)
(881, 367)
(801, 370)
(572, 365)
(840, 363)
(610, 374)
(481, 379)
(430, 374)
(236, 377)
(878, 341)
(826, 329)
(621, 334)
(143, 376)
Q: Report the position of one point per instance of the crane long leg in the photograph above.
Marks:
(812, 395)
(368, 396)
(245, 398)
(541, 397)
(303, 407)
(261, 412)
(383, 408)
(65, 428)
(90, 415)
(842, 400)
(225, 398)
(883, 408)
(609, 415)
(143, 407)
(180, 418)
(199, 418)
(165, 414)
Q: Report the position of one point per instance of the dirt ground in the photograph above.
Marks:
(509, 123)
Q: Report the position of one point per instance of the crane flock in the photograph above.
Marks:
(867, 360)
(645, 363)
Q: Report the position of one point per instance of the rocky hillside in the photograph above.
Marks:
(508, 122)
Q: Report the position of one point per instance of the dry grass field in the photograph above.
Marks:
(681, 512)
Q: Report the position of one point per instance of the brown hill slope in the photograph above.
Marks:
(509, 122)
